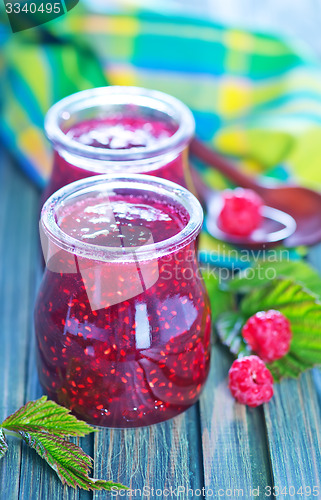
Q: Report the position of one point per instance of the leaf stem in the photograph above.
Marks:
(10, 433)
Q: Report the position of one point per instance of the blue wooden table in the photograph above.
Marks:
(218, 445)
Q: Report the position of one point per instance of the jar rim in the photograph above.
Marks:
(105, 184)
(101, 96)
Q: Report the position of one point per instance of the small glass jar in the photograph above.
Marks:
(119, 130)
(122, 318)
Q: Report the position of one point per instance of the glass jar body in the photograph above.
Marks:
(134, 363)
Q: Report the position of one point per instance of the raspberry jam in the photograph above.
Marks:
(119, 129)
(122, 317)
(121, 132)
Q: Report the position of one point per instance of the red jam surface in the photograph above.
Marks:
(120, 132)
(117, 355)
(117, 133)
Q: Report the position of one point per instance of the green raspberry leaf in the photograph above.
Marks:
(70, 462)
(43, 425)
(228, 327)
(3, 444)
(303, 309)
(46, 416)
(221, 300)
(263, 272)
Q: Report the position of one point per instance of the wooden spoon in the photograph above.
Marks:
(302, 204)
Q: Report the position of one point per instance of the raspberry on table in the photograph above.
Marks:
(250, 382)
(269, 335)
(241, 211)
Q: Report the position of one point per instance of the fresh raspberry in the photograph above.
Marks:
(269, 335)
(250, 382)
(241, 212)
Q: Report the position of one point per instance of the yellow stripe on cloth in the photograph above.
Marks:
(234, 97)
(32, 142)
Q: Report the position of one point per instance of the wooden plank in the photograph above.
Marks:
(315, 260)
(37, 479)
(316, 374)
(161, 456)
(233, 436)
(293, 425)
(17, 200)
(293, 421)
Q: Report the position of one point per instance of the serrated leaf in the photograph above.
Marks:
(43, 424)
(46, 416)
(3, 444)
(263, 272)
(70, 462)
(303, 310)
(228, 327)
(221, 300)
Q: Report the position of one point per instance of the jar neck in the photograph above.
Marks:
(138, 165)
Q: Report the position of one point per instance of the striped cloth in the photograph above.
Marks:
(254, 97)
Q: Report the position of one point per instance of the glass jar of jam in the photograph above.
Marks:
(122, 317)
(119, 130)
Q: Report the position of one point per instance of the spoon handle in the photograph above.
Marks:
(204, 193)
(214, 160)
